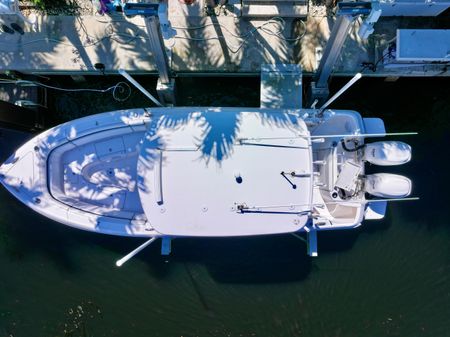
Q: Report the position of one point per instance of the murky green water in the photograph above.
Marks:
(388, 278)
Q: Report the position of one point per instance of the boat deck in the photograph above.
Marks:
(210, 179)
(98, 175)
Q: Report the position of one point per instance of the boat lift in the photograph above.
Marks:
(158, 28)
(284, 79)
(347, 14)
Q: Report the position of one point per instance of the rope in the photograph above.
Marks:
(117, 90)
(245, 37)
(110, 34)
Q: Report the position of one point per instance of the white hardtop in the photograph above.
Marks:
(191, 185)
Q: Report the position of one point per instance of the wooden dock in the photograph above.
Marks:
(224, 43)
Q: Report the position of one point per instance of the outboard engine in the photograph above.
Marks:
(388, 153)
(386, 185)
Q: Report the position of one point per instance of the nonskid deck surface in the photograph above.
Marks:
(220, 174)
(99, 175)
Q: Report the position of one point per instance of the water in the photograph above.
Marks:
(388, 278)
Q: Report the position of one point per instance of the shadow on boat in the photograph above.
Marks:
(263, 259)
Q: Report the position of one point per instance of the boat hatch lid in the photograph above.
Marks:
(219, 173)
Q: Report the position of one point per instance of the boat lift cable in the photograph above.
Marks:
(118, 89)
(245, 37)
(356, 148)
(110, 34)
(273, 20)
(115, 37)
(299, 237)
(264, 27)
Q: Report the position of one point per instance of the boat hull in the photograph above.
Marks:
(30, 173)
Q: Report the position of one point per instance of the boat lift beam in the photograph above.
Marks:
(347, 14)
(339, 93)
(158, 27)
(131, 254)
(311, 242)
(139, 87)
(166, 245)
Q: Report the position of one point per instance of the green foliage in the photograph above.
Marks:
(56, 6)
(39, 3)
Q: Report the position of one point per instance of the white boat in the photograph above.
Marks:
(209, 172)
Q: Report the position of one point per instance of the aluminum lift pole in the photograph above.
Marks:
(124, 259)
(333, 49)
(340, 92)
(139, 87)
(319, 87)
(155, 16)
(157, 47)
(347, 13)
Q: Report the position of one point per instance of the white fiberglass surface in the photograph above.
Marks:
(332, 158)
(99, 174)
(193, 186)
(201, 171)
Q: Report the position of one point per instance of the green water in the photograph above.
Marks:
(388, 278)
